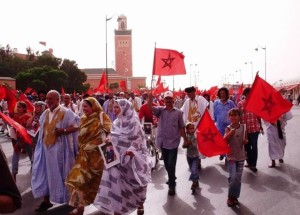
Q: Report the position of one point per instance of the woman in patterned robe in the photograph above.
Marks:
(123, 186)
(84, 178)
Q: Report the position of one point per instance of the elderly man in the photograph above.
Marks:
(67, 103)
(54, 153)
(169, 132)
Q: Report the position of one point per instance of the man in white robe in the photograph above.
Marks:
(54, 153)
(193, 108)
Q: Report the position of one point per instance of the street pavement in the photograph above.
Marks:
(269, 191)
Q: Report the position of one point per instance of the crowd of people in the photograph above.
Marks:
(68, 165)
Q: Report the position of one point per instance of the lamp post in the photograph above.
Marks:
(250, 62)
(265, 49)
(106, 70)
(191, 72)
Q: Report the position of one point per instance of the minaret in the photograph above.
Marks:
(123, 49)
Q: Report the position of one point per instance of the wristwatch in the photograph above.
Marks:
(65, 131)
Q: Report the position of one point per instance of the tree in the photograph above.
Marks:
(40, 78)
(76, 77)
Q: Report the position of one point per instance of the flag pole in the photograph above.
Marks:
(153, 68)
(173, 83)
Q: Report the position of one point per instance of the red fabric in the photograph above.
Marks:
(159, 89)
(62, 91)
(123, 85)
(19, 128)
(102, 84)
(28, 90)
(89, 91)
(34, 93)
(158, 80)
(168, 62)
(239, 93)
(30, 107)
(210, 141)
(213, 91)
(147, 114)
(10, 97)
(266, 102)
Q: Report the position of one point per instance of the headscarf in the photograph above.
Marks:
(97, 109)
(127, 121)
(42, 104)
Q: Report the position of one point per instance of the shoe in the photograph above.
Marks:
(253, 169)
(167, 182)
(230, 202)
(171, 192)
(236, 201)
(281, 161)
(194, 186)
(44, 206)
(272, 165)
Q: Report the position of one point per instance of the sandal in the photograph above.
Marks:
(140, 211)
(77, 211)
(44, 206)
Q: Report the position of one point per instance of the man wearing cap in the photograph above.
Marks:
(169, 132)
(193, 108)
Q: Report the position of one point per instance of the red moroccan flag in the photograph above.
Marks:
(266, 102)
(168, 62)
(28, 90)
(123, 85)
(158, 81)
(11, 99)
(29, 105)
(210, 140)
(89, 91)
(102, 84)
(19, 128)
(159, 89)
(62, 91)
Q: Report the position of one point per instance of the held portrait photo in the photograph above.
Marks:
(33, 129)
(148, 128)
(110, 155)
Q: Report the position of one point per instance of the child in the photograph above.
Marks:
(235, 135)
(192, 155)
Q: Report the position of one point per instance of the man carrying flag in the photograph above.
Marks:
(170, 129)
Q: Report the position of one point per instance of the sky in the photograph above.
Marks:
(217, 37)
